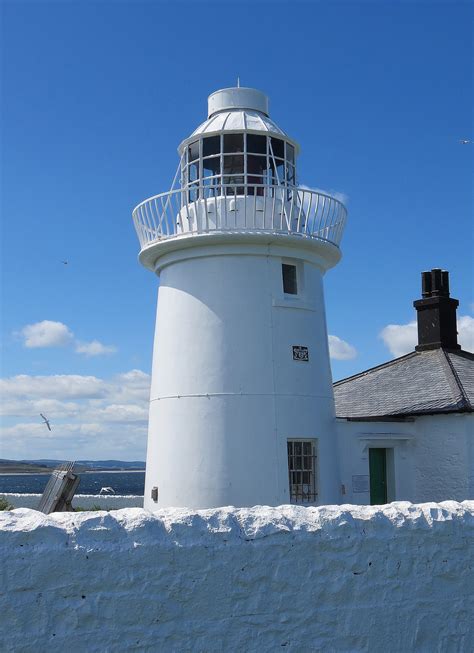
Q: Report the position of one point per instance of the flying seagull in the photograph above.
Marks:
(46, 421)
(107, 490)
(464, 141)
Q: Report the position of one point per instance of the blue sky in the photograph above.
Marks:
(97, 97)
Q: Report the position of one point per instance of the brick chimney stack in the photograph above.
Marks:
(436, 313)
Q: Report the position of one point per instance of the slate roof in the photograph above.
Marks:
(420, 383)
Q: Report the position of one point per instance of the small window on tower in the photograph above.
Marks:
(302, 471)
(290, 281)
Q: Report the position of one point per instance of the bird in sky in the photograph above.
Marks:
(46, 421)
(464, 141)
(64, 262)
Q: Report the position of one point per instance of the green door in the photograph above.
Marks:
(378, 476)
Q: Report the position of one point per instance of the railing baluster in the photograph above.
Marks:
(308, 219)
(207, 214)
(254, 207)
(334, 221)
(317, 215)
(291, 211)
(150, 229)
(323, 220)
(245, 187)
(301, 201)
(235, 206)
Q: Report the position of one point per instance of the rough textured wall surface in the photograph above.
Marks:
(336, 578)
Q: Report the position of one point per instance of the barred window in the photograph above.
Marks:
(302, 471)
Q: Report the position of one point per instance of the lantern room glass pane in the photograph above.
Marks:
(291, 175)
(278, 148)
(256, 144)
(232, 187)
(280, 173)
(211, 166)
(211, 145)
(256, 165)
(255, 185)
(233, 143)
(233, 164)
(193, 192)
(290, 153)
(193, 172)
(193, 151)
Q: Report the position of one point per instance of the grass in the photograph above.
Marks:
(5, 504)
(94, 507)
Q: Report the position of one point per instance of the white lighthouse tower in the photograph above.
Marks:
(241, 404)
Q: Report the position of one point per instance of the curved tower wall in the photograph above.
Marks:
(226, 393)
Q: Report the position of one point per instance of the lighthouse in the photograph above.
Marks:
(241, 400)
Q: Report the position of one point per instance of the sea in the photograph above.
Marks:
(90, 483)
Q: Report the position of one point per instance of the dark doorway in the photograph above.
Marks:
(378, 476)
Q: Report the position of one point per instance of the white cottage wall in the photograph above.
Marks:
(226, 393)
(433, 457)
(444, 457)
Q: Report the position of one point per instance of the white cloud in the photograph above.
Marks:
(466, 332)
(342, 197)
(402, 338)
(46, 334)
(57, 386)
(340, 349)
(90, 417)
(94, 348)
(56, 334)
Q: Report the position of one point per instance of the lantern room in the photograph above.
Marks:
(237, 173)
(238, 150)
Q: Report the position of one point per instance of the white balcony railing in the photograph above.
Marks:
(242, 208)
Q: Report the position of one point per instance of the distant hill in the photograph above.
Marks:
(20, 467)
(45, 465)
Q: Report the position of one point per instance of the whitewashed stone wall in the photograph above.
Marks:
(346, 578)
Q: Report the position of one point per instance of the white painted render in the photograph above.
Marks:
(237, 98)
(226, 394)
(432, 459)
(338, 578)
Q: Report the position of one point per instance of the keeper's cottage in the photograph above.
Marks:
(406, 428)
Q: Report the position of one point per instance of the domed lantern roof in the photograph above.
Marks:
(238, 110)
